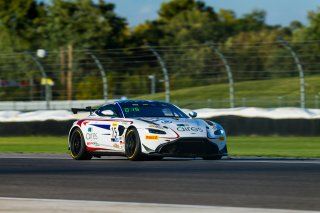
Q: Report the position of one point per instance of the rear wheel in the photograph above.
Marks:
(78, 149)
(133, 145)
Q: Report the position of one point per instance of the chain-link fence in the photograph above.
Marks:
(275, 74)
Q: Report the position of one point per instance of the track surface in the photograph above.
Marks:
(262, 183)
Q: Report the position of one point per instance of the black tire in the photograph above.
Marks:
(78, 149)
(133, 145)
(216, 157)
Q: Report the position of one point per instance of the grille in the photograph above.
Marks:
(189, 147)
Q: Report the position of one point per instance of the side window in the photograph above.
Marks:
(167, 112)
(113, 108)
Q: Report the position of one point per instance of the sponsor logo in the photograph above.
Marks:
(114, 124)
(189, 129)
(89, 129)
(182, 125)
(115, 139)
(93, 143)
(166, 121)
(92, 136)
(156, 126)
(152, 137)
(116, 145)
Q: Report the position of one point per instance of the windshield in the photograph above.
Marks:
(150, 109)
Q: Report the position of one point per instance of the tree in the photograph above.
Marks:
(20, 19)
(84, 24)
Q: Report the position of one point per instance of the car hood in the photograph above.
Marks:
(185, 127)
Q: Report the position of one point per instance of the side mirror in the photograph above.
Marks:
(108, 113)
(193, 114)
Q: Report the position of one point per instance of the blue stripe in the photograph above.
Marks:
(103, 126)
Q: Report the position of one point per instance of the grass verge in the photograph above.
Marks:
(279, 92)
(34, 144)
(275, 146)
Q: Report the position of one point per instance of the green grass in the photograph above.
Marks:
(262, 93)
(34, 144)
(237, 146)
(274, 146)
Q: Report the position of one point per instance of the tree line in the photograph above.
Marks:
(183, 33)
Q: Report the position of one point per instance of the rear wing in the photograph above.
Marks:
(87, 109)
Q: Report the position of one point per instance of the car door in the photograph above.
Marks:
(107, 127)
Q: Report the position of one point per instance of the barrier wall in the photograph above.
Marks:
(233, 125)
(264, 126)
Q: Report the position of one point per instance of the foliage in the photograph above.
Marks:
(182, 34)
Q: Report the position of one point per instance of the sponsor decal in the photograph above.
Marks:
(93, 143)
(182, 125)
(89, 129)
(91, 136)
(166, 121)
(116, 145)
(114, 124)
(115, 139)
(152, 137)
(189, 129)
(156, 126)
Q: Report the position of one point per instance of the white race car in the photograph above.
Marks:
(145, 130)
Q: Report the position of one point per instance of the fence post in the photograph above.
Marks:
(279, 101)
(103, 74)
(286, 45)
(44, 75)
(165, 72)
(229, 73)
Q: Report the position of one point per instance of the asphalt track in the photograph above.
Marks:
(240, 182)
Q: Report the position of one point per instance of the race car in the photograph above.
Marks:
(141, 130)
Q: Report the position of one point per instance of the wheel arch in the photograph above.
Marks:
(71, 131)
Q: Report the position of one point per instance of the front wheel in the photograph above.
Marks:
(133, 145)
(78, 149)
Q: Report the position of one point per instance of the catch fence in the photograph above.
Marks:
(268, 74)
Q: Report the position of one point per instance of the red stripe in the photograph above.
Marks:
(79, 123)
(95, 149)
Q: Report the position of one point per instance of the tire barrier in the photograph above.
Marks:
(233, 125)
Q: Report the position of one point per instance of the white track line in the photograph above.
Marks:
(282, 161)
(25, 205)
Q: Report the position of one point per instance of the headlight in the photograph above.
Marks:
(219, 132)
(157, 131)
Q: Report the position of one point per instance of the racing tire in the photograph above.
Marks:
(133, 145)
(78, 149)
(216, 157)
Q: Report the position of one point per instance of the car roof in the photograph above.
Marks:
(133, 101)
(139, 101)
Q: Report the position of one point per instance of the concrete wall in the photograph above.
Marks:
(264, 126)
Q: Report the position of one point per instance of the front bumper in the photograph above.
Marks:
(190, 147)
